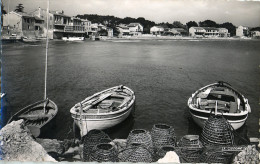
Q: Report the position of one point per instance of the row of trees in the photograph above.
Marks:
(112, 21)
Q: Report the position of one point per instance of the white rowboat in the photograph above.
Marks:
(221, 99)
(103, 110)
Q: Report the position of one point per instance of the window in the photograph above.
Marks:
(28, 27)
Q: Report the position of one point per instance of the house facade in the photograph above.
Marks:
(42, 14)
(156, 30)
(242, 31)
(223, 32)
(197, 31)
(21, 24)
(211, 32)
(123, 30)
(208, 32)
(136, 29)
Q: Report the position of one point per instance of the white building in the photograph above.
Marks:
(197, 31)
(87, 25)
(156, 30)
(223, 32)
(136, 29)
(242, 31)
(123, 29)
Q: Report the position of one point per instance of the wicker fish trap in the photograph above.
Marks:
(103, 152)
(91, 139)
(140, 136)
(216, 155)
(135, 152)
(189, 148)
(162, 151)
(217, 131)
(162, 135)
(105, 140)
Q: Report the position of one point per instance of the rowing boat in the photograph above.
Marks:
(103, 110)
(220, 99)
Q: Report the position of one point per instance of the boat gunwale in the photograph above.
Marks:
(107, 118)
(131, 102)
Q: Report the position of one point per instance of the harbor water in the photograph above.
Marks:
(163, 74)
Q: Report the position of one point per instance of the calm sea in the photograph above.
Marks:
(163, 74)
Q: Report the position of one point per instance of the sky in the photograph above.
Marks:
(246, 13)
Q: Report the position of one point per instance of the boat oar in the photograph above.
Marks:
(34, 130)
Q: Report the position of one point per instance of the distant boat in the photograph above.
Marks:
(35, 117)
(73, 38)
(103, 109)
(30, 40)
(219, 98)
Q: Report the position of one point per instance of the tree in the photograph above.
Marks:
(19, 8)
(231, 28)
(208, 23)
(191, 24)
(178, 24)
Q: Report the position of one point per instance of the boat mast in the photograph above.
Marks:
(46, 56)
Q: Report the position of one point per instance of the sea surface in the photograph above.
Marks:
(162, 73)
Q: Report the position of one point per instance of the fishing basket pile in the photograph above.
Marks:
(162, 152)
(91, 139)
(135, 152)
(215, 154)
(189, 148)
(104, 152)
(217, 131)
(163, 135)
(142, 137)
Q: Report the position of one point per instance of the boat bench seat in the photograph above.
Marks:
(220, 108)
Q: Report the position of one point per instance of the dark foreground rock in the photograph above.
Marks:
(17, 144)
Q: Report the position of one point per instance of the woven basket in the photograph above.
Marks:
(105, 140)
(140, 136)
(217, 131)
(136, 152)
(103, 152)
(91, 139)
(162, 151)
(216, 155)
(189, 148)
(163, 135)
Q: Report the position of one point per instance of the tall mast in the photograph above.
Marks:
(46, 55)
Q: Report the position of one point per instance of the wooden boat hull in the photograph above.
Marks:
(236, 123)
(102, 121)
(34, 116)
(199, 116)
(102, 124)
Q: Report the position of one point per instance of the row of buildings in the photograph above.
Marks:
(34, 25)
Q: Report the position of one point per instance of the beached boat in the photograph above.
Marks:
(36, 115)
(103, 110)
(73, 38)
(219, 98)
